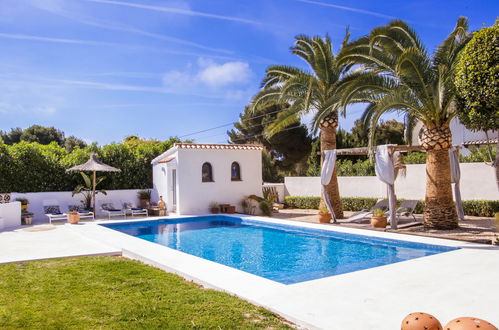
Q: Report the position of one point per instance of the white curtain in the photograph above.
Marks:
(385, 172)
(326, 175)
(455, 174)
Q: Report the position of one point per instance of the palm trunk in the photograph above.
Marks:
(440, 211)
(328, 142)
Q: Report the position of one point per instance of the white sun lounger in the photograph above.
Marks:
(108, 208)
(52, 210)
(360, 215)
(132, 209)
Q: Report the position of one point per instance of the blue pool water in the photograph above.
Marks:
(286, 254)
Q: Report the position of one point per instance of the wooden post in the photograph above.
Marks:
(94, 180)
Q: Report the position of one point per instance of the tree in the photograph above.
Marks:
(477, 83)
(288, 148)
(86, 190)
(72, 142)
(397, 74)
(307, 91)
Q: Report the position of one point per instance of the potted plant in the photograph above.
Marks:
(26, 218)
(324, 215)
(214, 208)
(144, 197)
(24, 204)
(73, 217)
(86, 190)
(378, 220)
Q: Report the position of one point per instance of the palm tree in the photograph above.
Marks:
(396, 74)
(313, 91)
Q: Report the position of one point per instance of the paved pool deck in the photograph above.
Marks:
(463, 282)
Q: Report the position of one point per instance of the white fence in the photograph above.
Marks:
(64, 199)
(478, 182)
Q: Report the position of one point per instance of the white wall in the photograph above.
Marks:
(194, 196)
(162, 177)
(64, 198)
(10, 215)
(478, 181)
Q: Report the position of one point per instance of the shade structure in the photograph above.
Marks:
(93, 165)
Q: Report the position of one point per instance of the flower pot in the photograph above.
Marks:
(28, 220)
(73, 218)
(379, 221)
(324, 217)
(144, 203)
(214, 210)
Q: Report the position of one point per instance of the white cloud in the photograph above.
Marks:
(216, 75)
(209, 74)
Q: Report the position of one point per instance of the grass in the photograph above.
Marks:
(113, 292)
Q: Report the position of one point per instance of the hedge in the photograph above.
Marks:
(33, 167)
(472, 207)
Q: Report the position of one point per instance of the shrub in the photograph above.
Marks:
(482, 208)
(33, 167)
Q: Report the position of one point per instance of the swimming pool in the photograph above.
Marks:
(283, 253)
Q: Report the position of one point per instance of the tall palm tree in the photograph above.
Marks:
(308, 91)
(394, 72)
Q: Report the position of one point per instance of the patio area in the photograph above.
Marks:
(472, 229)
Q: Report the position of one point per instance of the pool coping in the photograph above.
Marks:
(252, 288)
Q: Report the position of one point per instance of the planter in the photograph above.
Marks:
(214, 210)
(379, 221)
(144, 203)
(324, 217)
(73, 218)
(28, 220)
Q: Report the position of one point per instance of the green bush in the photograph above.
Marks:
(477, 208)
(33, 167)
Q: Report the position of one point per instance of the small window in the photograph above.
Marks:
(207, 173)
(235, 172)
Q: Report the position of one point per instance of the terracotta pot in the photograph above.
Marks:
(27, 220)
(379, 221)
(324, 217)
(214, 210)
(73, 218)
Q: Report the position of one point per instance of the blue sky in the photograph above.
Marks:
(104, 69)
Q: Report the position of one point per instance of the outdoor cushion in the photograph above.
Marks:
(137, 208)
(56, 213)
(54, 209)
(84, 212)
(107, 206)
(127, 205)
(114, 210)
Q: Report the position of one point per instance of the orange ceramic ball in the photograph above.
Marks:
(420, 321)
(469, 323)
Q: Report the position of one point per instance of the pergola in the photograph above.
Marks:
(386, 163)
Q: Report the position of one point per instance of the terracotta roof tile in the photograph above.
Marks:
(218, 146)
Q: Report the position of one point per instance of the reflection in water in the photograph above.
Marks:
(284, 254)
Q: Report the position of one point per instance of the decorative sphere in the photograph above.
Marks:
(420, 321)
(469, 323)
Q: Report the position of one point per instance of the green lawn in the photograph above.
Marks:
(113, 292)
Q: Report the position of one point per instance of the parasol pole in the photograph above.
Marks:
(94, 179)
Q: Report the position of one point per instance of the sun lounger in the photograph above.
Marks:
(407, 208)
(360, 215)
(131, 208)
(108, 208)
(52, 210)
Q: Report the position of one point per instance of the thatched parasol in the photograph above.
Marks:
(93, 165)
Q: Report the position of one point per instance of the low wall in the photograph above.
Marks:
(64, 198)
(478, 182)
